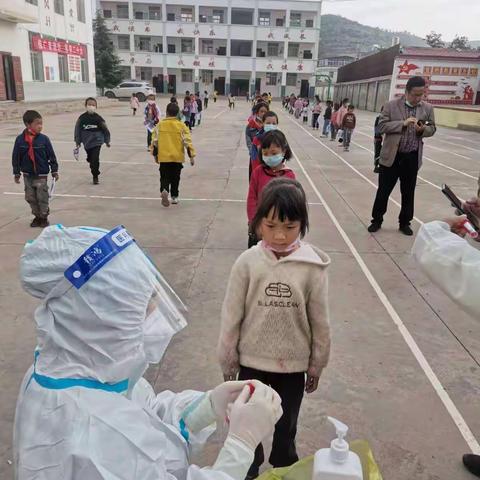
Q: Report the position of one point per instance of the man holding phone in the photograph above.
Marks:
(405, 122)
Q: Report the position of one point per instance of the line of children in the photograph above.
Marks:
(91, 130)
(151, 116)
(275, 321)
(199, 108)
(269, 123)
(33, 158)
(348, 126)
(193, 111)
(170, 138)
(273, 154)
(254, 125)
(327, 116)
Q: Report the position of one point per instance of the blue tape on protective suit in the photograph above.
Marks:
(63, 383)
(184, 431)
(98, 255)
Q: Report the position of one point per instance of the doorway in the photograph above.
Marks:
(219, 85)
(239, 86)
(10, 90)
(172, 84)
(304, 89)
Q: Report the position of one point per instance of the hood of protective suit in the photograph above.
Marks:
(106, 311)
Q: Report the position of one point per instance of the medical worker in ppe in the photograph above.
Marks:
(453, 264)
(84, 411)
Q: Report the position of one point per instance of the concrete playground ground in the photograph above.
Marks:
(404, 368)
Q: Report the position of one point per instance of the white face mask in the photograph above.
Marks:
(289, 248)
(91, 108)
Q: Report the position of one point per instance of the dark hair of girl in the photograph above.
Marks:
(258, 106)
(90, 98)
(268, 115)
(277, 138)
(285, 199)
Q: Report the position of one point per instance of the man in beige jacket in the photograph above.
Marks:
(405, 122)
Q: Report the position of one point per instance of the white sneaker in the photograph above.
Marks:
(165, 200)
(174, 200)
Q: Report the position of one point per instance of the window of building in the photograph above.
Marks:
(331, 73)
(217, 16)
(222, 51)
(37, 66)
(241, 48)
(122, 11)
(280, 22)
(187, 76)
(171, 48)
(139, 15)
(107, 14)
(123, 42)
(207, 47)
(84, 69)
(264, 19)
(33, 2)
(63, 68)
(291, 79)
(187, 45)
(295, 19)
(207, 76)
(144, 44)
(273, 49)
(170, 17)
(145, 73)
(154, 13)
(202, 18)
(158, 48)
(272, 78)
(242, 16)
(309, 23)
(186, 15)
(81, 10)
(307, 54)
(58, 7)
(293, 49)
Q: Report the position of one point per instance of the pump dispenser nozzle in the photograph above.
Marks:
(339, 447)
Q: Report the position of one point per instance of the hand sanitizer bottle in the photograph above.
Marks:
(337, 462)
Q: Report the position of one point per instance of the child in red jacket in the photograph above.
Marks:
(273, 155)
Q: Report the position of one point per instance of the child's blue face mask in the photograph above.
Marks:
(269, 127)
(273, 161)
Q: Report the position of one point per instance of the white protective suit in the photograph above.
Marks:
(451, 263)
(84, 412)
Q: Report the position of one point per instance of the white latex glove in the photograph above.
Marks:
(212, 406)
(253, 418)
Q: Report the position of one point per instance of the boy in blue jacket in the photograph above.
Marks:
(33, 156)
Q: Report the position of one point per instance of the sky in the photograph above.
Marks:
(448, 17)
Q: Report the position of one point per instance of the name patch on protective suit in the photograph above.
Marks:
(98, 255)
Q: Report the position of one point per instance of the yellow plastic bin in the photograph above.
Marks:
(302, 470)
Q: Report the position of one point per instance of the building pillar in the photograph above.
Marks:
(229, 50)
(283, 86)
(164, 47)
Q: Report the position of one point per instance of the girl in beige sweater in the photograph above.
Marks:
(275, 324)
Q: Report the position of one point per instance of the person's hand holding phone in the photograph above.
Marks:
(410, 121)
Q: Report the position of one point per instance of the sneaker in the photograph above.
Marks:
(35, 222)
(374, 227)
(376, 169)
(95, 180)
(406, 230)
(43, 222)
(165, 200)
(472, 463)
(174, 200)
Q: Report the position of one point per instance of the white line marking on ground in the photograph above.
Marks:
(219, 113)
(409, 340)
(428, 159)
(360, 174)
(447, 151)
(112, 197)
(458, 145)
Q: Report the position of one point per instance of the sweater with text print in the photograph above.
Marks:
(275, 313)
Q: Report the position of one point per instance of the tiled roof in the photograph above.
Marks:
(440, 52)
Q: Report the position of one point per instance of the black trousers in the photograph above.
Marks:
(378, 149)
(192, 119)
(149, 138)
(405, 168)
(315, 120)
(205, 103)
(290, 387)
(170, 177)
(93, 158)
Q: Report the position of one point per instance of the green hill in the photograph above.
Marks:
(341, 36)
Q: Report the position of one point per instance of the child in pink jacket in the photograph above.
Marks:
(273, 155)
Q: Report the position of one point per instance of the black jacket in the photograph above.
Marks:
(91, 130)
(328, 113)
(199, 103)
(45, 159)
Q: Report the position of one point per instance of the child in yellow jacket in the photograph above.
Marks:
(170, 138)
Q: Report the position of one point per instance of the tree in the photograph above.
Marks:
(460, 43)
(434, 40)
(107, 63)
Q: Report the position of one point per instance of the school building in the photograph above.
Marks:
(197, 45)
(453, 77)
(46, 50)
